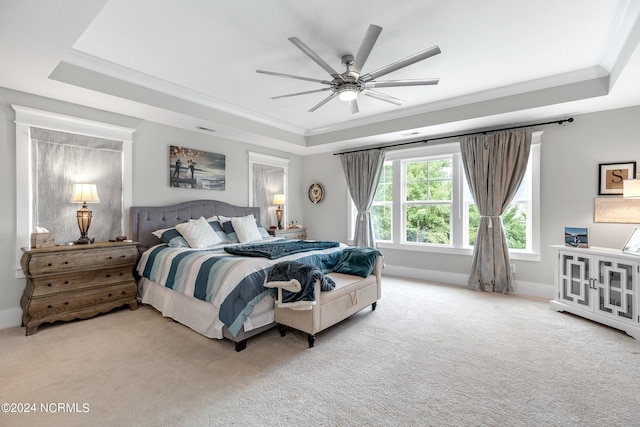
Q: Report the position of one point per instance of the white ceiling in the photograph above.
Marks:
(192, 63)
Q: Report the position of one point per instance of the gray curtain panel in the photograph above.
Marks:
(362, 171)
(494, 165)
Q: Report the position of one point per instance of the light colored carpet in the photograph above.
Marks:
(430, 354)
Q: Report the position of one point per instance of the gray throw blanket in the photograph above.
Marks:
(279, 248)
(305, 274)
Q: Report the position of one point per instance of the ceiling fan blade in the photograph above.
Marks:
(302, 93)
(369, 40)
(291, 76)
(321, 103)
(353, 105)
(401, 64)
(311, 54)
(396, 83)
(383, 97)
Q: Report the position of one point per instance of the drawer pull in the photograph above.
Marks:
(66, 282)
(109, 257)
(108, 275)
(66, 303)
(66, 262)
(49, 284)
(110, 295)
(49, 265)
(49, 306)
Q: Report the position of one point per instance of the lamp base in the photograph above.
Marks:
(84, 240)
(279, 217)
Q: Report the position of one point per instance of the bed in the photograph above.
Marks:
(206, 314)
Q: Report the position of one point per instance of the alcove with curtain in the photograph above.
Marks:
(268, 177)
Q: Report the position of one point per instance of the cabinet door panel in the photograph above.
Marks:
(575, 281)
(616, 289)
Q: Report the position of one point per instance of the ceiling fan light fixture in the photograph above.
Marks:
(348, 92)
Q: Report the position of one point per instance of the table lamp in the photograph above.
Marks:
(631, 189)
(278, 200)
(84, 193)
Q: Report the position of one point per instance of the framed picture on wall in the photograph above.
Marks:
(611, 176)
(190, 168)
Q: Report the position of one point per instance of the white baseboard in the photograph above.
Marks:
(537, 290)
(10, 317)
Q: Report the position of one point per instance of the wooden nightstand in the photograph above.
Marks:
(290, 233)
(79, 281)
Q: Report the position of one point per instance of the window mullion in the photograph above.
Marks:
(399, 197)
(457, 202)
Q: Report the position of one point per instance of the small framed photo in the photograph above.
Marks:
(576, 237)
(611, 176)
(633, 244)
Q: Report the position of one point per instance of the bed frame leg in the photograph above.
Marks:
(283, 330)
(241, 345)
(374, 305)
(312, 339)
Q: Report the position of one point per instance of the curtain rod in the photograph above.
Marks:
(425, 141)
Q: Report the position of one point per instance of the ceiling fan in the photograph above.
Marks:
(346, 86)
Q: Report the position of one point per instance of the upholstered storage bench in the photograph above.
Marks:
(351, 294)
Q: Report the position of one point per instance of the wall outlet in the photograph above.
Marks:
(513, 269)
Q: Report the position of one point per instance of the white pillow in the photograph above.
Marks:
(198, 233)
(246, 228)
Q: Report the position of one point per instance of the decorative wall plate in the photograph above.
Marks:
(316, 193)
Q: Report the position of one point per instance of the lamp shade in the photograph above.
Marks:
(631, 188)
(85, 193)
(278, 199)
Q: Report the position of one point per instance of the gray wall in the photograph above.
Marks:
(150, 177)
(570, 156)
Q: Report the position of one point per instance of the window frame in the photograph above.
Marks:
(25, 118)
(459, 229)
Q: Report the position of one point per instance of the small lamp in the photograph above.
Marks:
(278, 199)
(84, 193)
(631, 189)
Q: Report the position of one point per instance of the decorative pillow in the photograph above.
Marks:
(217, 227)
(263, 231)
(228, 229)
(198, 233)
(358, 261)
(246, 228)
(231, 235)
(171, 237)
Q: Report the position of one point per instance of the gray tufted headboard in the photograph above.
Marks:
(146, 219)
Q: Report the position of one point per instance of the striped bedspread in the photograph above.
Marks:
(233, 284)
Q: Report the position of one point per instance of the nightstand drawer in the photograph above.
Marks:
(61, 303)
(63, 283)
(64, 262)
(290, 233)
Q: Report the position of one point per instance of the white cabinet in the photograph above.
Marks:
(600, 284)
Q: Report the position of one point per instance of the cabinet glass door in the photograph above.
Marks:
(616, 289)
(575, 281)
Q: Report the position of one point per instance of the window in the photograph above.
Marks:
(382, 204)
(423, 203)
(70, 150)
(428, 194)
